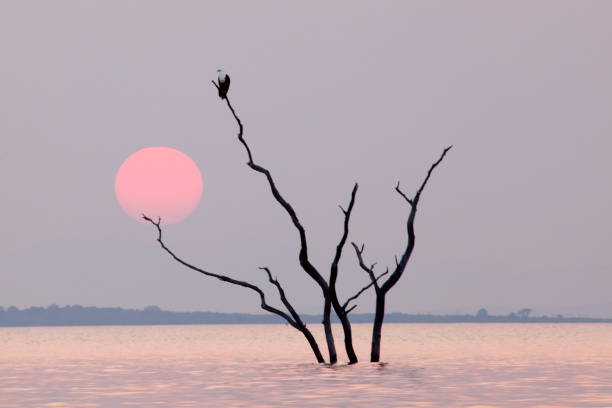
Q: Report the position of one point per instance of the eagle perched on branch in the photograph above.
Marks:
(224, 83)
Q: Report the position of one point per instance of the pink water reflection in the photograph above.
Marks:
(428, 365)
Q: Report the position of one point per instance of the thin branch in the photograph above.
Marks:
(356, 295)
(241, 131)
(370, 270)
(431, 169)
(347, 217)
(281, 294)
(303, 256)
(350, 309)
(399, 268)
(332, 296)
(400, 192)
(223, 278)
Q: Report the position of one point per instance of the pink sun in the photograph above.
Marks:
(159, 182)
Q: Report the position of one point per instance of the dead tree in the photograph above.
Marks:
(382, 290)
(294, 320)
(328, 288)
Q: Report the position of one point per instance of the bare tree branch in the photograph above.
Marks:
(281, 294)
(303, 256)
(347, 216)
(400, 192)
(356, 295)
(295, 322)
(331, 297)
(223, 278)
(370, 270)
(350, 309)
(400, 265)
(399, 268)
(431, 169)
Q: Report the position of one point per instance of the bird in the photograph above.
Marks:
(224, 83)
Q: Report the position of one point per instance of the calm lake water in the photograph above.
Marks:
(427, 365)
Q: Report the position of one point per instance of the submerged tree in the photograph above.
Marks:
(327, 286)
(400, 265)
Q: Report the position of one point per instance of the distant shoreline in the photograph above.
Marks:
(93, 316)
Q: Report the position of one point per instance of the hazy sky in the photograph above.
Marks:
(518, 215)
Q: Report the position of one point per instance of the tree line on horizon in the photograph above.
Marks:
(77, 315)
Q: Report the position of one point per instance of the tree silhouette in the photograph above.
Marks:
(400, 265)
(328, 287)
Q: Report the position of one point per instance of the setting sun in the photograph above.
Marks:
(159, 182)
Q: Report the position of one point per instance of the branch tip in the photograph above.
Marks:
(350, 309)
(400, 192)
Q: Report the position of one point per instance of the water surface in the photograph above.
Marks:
(426, 365)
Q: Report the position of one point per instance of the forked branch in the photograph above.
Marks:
(401, 265)
(294, 320)
(347, 217)
(415, 200)
(400, 192)
(356, 295)
(223, 278)
(368, 270)
(283, 298)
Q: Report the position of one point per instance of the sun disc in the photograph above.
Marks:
(159, 182)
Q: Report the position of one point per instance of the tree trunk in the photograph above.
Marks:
(313, 344)
(377, 328)
(329, 336)
(348, 338)
(346, 326)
